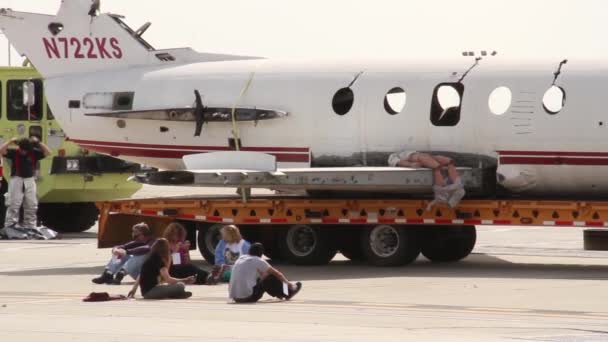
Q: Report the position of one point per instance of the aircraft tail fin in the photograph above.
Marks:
(79, 39)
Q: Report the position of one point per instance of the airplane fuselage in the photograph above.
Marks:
(561, 152)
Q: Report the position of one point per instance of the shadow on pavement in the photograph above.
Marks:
(74, 236)
(476, 266)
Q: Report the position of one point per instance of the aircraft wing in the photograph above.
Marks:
(375, 179)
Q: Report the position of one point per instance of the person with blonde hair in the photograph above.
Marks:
(229, 249)
(182, 266)
(155, 280)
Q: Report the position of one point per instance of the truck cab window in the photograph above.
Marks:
(16, 110)
(49, 113)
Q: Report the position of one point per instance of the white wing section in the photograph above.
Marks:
(231, 160)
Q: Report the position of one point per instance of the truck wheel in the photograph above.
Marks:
(307, 245)
(446, 244)
(208, 238)
(386, 245)
(68, 217)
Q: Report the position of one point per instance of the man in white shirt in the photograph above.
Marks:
(252, 276)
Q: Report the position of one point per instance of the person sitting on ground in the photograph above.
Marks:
(181, 265)
(154, 279)
(252, 276)
(450, 190)
(128, 258)
(228, 250)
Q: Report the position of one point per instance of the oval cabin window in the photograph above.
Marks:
(500, 100)
(394, 101)
(554, 100)
(343, 101)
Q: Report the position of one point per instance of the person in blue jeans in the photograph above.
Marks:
(128, 258)
(228, 250)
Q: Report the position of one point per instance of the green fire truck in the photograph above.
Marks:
(72, 179)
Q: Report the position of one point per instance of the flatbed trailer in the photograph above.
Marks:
(307, 231)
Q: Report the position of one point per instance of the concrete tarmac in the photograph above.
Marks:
(521, 284)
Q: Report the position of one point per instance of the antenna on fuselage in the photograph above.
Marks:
(95, 8)
(466, 73)
(559, 71)
(93, 13)
(355, 79)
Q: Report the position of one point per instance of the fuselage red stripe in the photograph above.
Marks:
(176, 154)
(553, 161)
(194, 148)
(552, 153)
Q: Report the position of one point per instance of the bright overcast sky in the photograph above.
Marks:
(363, 28)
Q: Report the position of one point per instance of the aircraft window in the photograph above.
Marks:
(394, 101)
(500, 100)
(554, 100)
(343, 101)
(446, 104)
(16, 110)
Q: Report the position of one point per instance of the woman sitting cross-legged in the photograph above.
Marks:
(154, 279)
(182, 266)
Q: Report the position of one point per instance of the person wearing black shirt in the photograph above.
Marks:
(154, 279)
(22, 187)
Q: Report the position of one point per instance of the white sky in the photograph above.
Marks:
(346, 29)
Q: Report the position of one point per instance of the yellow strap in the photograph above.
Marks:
(235, 127)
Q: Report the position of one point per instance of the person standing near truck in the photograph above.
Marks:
(22, 187)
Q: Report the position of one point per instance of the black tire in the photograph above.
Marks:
(386, 245)
(306, 245)
(349, 244)
(448, 244)
(68, 217)
(207, 239)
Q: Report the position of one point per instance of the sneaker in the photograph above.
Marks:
(293, 293)
(105, 278)
(210, 280)
(118, 278)
(185, 295)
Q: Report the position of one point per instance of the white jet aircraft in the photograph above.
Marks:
(541, 124)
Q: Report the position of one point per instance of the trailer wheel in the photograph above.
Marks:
(386, 245)
(208, 238)
(446, 244)
(307, 245)
(68, 217)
